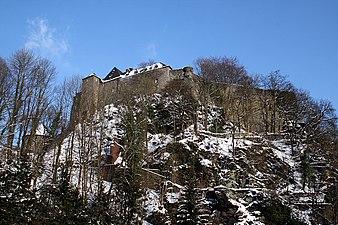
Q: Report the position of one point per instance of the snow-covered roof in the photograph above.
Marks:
(132, 72)
(145, 69)
(115, 73)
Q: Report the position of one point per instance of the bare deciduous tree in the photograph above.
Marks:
(146, 63)
(30, 78)
(275, 96)
(221, 69)
(219, 75)
(4, 96)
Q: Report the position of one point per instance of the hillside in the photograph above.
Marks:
(190, 176)
(165, 146)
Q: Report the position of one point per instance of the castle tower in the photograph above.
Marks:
(90, 95)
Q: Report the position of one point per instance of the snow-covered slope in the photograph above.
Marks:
(191, 175)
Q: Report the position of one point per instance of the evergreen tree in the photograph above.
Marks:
(64, 203)
(275, 213)
(17, 200)
(101, 209)
(187, 212)
(128, 181)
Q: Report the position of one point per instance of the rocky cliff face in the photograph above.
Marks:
(185, 171)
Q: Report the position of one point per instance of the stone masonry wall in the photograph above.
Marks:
(96, 93)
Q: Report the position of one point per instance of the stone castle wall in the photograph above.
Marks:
(96, 93)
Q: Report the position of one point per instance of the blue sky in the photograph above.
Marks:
(297, 37)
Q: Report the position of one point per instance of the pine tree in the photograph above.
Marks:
(187, 212)
(17, 200)
(100, 209)
(128, 181)
(64, 202)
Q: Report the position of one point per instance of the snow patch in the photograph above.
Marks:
(40, 130)
(246, 217)
(172, 197)
(152, 203)
(206, 162)
(156, 141)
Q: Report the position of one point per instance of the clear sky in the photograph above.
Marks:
(297, 37)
